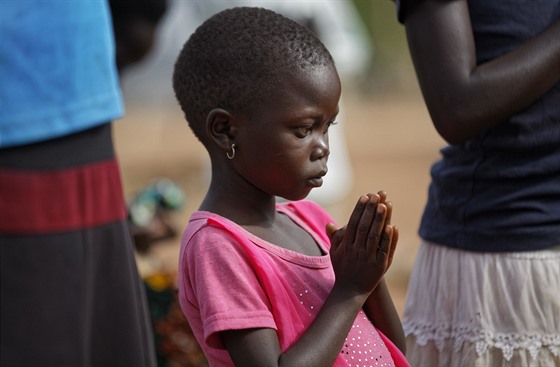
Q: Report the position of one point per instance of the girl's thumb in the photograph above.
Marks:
(335, 235)
(331, 229)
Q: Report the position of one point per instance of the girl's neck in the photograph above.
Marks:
(256, 212)
(260, 218)
(244, 208)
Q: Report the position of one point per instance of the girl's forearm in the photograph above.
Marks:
(381, 311)
(321, 343)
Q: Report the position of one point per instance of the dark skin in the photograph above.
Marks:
(282, 150)
(465, 99)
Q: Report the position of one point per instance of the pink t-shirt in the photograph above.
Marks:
(231, 279)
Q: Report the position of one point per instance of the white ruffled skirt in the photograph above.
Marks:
(483, 309)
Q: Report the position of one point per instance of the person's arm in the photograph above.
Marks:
(319, 345)
(379, 306)
(359, 260)
(465, 99)
(381, 310)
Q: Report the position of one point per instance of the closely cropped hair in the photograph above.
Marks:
(230, 60)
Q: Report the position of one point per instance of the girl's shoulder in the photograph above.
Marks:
(310, 216)
(203, 236)
(209, 227)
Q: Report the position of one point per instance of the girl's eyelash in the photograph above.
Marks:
(307, 129)
(329, 124)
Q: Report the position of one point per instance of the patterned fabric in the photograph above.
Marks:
(445, 327)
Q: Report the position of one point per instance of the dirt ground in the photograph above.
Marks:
(391, 143)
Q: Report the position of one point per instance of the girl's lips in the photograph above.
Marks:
(316, 181)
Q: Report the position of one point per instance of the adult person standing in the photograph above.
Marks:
(484, 290)
(70, 290)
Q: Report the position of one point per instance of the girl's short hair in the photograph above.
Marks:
(231, 59)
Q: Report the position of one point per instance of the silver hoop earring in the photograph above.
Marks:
(232, 152)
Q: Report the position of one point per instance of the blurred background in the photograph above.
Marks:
(384, 141)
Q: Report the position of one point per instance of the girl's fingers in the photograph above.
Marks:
(382, 196)
(389, 206)
(385, 244)
(376, 230)
(355, 218)
(393, 245)
(383, 199)
(365, 224)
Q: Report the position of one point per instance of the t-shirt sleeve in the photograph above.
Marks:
(222, 283)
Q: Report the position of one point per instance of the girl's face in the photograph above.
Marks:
(283, 143)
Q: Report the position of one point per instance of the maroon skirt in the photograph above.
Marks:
(70, 294)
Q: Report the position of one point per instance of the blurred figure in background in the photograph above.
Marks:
(135, 23)
(484, 290)
(70, 290)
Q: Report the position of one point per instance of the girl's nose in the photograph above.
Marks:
(321, 149)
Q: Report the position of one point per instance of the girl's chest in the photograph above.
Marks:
(287, 234)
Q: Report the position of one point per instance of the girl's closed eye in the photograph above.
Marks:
(303, 131)
(329, 124)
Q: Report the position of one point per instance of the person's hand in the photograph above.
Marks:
(395, 239)
(362, 251)
(335, 234)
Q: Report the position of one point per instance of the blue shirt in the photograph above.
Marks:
(57, 69)
(500, 191)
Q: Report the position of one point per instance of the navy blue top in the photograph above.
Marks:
(500, 191)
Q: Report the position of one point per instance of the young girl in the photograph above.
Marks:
(267, 284)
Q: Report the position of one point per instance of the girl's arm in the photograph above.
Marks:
(359, 267)
(319, 345)
(379, 306)
(465, 99)
(381, 311)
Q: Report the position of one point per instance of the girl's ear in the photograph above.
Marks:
(220, 127)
